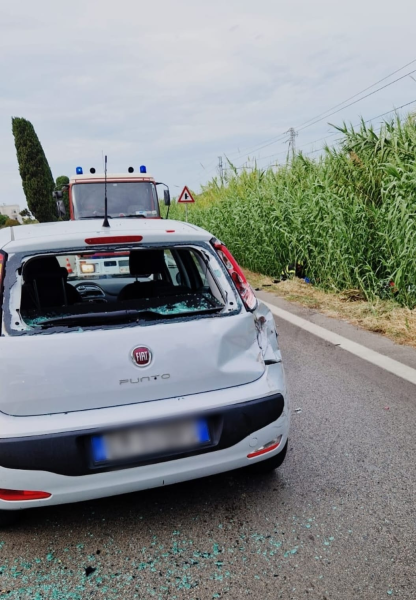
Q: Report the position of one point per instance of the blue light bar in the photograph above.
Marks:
(79, 171)
(143, 169)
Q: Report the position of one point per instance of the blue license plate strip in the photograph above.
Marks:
(100, 452)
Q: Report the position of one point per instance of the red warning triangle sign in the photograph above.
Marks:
(186, 196)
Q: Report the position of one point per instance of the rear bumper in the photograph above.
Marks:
(64, 489)
(245, 408)
(69, 453)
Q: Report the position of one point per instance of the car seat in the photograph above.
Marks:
(45, 285)
(144, 263)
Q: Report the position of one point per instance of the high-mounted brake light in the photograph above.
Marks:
(115, 239)
(19, 495)
(243, 287)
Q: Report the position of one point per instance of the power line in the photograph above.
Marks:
(273, 155)
(322, 138)
(265, 142)
(362, 91)
(337, 132)
(264, 157)
(211, 162)
(366, 121)
(390, 111)
(359, 100)
(309, 124)
(317, 118)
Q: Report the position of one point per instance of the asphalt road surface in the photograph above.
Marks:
(337, 521)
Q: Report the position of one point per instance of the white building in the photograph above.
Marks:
(12, 211)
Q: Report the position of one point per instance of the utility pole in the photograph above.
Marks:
(292, 137)
(220, 169)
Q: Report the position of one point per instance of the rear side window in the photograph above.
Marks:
(108, 287)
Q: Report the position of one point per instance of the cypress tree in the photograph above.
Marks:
(60, 182)
(34, 169)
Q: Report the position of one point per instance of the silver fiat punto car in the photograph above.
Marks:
(115, 380)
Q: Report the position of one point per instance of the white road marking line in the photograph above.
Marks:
(380, 360)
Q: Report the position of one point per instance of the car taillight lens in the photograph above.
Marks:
(2, 266)
(19, 495)
(269, 447)
(243, 287)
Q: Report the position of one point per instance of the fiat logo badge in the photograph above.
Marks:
(141, 356)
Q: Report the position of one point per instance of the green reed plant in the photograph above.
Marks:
(349, 216)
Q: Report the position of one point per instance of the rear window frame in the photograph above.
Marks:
(13, 286)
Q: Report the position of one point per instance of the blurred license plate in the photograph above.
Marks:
(136, 442)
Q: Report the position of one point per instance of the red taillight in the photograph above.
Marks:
(115, 239)
(269, 447)
(19, 495)
(243, 287)
(2, 263)
(2, 266)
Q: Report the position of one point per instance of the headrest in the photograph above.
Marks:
(46, 266)
(146, 262)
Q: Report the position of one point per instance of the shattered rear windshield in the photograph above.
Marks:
(116, 287)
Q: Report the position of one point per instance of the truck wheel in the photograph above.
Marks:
(8, 518)
(270, 464)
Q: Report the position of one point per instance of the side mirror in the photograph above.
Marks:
(57, 194)
(166, 195)
(60, 208)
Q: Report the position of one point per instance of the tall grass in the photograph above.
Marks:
(348, 216)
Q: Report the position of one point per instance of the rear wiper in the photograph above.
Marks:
(133, 217)
(68, 319)
(149, 313)
(122, 315)
(95, 217)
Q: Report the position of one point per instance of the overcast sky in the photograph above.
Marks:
(173, 84)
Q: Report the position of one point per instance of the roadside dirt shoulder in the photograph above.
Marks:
(385, 317)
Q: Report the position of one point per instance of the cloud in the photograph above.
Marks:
(174, 84)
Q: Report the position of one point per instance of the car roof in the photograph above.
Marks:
(68, 234)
